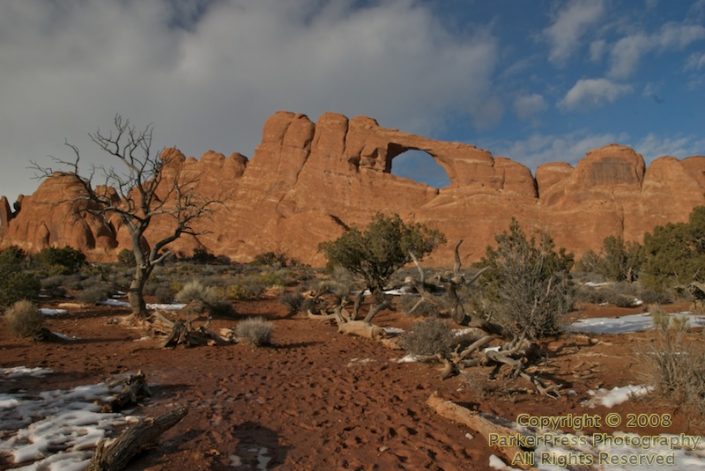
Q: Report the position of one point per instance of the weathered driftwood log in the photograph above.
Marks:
(130, 390)
(116, 455)
(361, 329)
(474, 420)
(450, 304)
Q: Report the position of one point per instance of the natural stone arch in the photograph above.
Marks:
(417, 165)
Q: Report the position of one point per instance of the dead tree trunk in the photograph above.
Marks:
(475, 421)
(133, 440)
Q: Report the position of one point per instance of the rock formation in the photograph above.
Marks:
(307, 182)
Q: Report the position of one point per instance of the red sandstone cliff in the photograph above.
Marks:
(307, 181)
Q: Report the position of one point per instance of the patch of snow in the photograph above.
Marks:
(409, 358)
(627, 324)
(497, 463)
(18, 371)
(161, 307)
(47, 311)
(492, 349)
(114, 303)
(616, 395)
(68, 338)
(461, 332)
(593, 284)
(56, 430)
(166, 307)
(263, 459)
(393, 330)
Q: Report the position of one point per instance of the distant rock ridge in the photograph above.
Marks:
(307, 182)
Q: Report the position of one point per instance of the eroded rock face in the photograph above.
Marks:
(307, 182)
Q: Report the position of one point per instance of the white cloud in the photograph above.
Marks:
(570, 147)
(597, 50)
(652, 146)
(593, 92)
(541, 148)
(571, 23)
(629, 50)
(627, 53)
(696, 61)
(528, 106)
(210, 83)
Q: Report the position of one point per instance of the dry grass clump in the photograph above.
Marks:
(678, 362)
(430, 337)
(255, 331)
(211, 298)
(24, 319)
(293, 302)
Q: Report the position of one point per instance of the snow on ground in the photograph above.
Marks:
(627, 324)
(160, 307)
(594, 284)
(393, 330)
(18, 371)
(409, 358)
(497, 463)
(55, 430)
(47, 311)
(616, 395)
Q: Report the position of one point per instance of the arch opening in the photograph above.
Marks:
(420, 167)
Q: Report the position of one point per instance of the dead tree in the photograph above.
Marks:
(144, 189)
(450, 303)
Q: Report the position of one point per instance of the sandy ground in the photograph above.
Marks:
(318, 399)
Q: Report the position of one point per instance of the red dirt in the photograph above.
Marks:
(307, 403)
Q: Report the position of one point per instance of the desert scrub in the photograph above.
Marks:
(24, 320)
(678, 362)
(17, 285)
(429, 337)
(94, 294)
(255, 331)
(292, 301)
(62, 261)
(423, 309)
(527, 285)
(212, 298)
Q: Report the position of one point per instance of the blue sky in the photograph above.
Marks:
(534, 80)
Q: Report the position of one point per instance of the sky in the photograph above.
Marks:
(533, 80)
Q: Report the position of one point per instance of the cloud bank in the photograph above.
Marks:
(207, 74)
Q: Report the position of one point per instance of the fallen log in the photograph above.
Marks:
(361, 329)
(136, 438)
(490, 430)
(130, 391)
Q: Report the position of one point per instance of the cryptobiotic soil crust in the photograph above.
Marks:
(321, 400)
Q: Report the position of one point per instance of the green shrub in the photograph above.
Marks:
(381, 249)
(126, 258)
(94, 294)
(617, 261)
(429, 337)
(12, 256)
(271, 259)
(255, 331)
(674, 254)
(24, 319)
(61, 261)
(18, 285)
(527, 285)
